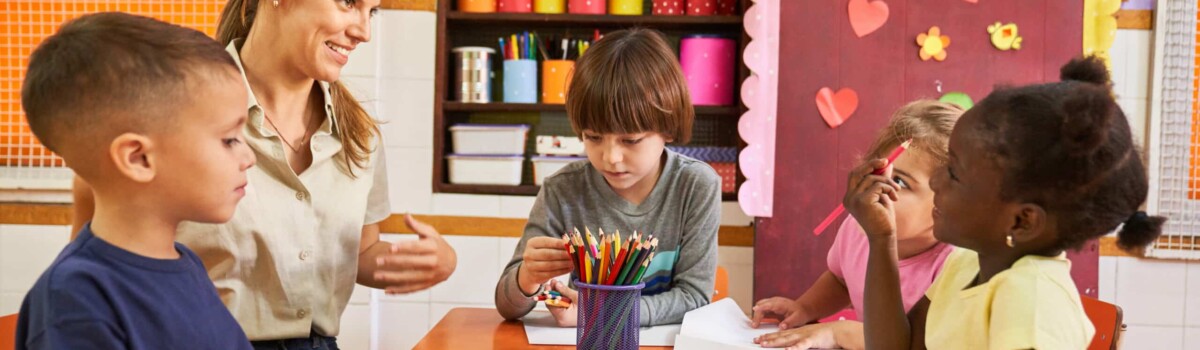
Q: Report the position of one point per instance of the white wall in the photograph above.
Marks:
(1161, 299)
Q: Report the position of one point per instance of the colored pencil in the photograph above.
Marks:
(604, 260)
(642, 270)
(841, 208)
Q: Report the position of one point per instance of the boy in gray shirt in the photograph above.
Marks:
(627, 99)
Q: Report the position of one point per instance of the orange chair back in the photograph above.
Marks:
(1107, 320)
(722, 286)
(8, 332)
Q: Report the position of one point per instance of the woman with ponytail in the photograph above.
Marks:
(307, 229)
(1033, 171)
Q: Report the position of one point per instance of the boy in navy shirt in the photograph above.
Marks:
(151, 115)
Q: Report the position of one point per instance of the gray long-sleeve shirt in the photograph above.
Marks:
(683, 211)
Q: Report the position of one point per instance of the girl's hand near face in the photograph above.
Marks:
(871, 198)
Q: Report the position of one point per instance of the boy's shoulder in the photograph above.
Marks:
(87, 264)
(76, 270)
(74, 287)
(692, 169)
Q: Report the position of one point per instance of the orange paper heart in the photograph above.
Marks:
(867, 16)
(835, 108)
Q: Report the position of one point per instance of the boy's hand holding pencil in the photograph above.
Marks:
(544, 258)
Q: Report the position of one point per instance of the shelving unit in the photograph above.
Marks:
(714, 125)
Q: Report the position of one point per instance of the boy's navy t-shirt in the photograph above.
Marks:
(98, 296)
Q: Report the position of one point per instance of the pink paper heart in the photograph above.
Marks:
(835, 108)
(867, 16)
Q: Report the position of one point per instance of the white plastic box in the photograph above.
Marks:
(546, 166)
(503, 139)
(559, 145)
(479, 169)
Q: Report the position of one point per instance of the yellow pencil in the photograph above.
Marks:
(587, 270)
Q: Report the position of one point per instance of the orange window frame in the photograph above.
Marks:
(25, 23)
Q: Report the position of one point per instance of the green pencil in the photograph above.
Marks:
(637, 278)
(630, 261)
(648, 250)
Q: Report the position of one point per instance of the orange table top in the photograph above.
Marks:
(478, 328)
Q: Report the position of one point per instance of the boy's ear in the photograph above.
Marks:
(133, 157)
(1029, 224)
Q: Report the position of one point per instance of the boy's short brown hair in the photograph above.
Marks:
(108, 73)
(630, 82)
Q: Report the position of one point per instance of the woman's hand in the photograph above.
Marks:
(410, 266)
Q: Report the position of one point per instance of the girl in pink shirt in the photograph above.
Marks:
(928, 124)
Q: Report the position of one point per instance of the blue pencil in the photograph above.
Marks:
(503, 51)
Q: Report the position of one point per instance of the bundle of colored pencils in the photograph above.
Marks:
(553, 298)
(609, 259)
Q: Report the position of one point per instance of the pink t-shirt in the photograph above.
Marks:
(848, 260)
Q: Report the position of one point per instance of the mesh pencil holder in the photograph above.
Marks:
(608, 316)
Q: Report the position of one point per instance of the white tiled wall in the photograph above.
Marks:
(1161, 299)
(25, 251)
(1131, 61)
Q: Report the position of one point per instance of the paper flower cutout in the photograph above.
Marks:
(1004, 36)
(933, 44)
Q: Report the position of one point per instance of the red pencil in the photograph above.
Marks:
(579, 255)
(841, 208)
(619, 261)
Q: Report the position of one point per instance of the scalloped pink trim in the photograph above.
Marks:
(760, 93)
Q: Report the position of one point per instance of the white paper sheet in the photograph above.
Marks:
(540, 329)
(722, 323)
(693, 343)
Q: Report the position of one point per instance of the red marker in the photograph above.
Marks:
(840, 208)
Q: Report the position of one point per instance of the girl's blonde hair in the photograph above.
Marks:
(355, 127)
(927, 123)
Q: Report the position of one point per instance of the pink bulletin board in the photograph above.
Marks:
(818, 48)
